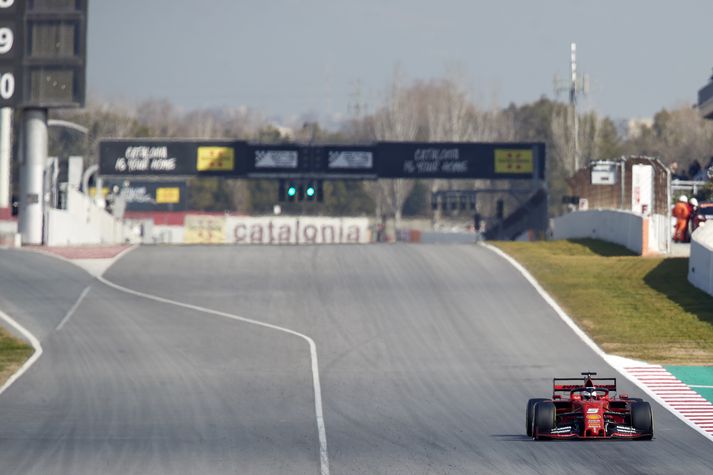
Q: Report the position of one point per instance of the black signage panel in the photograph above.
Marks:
(11, 49)
(142, 195)
(173, 157)
(157, 157)
(460, 160)
(55, 53)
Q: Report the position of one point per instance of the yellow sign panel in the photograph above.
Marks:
(204, 229)
(93, 191)
(168, 195)
(215, 159)
(513, 161)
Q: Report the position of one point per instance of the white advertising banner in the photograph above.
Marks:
(296, 230)
(642, 190)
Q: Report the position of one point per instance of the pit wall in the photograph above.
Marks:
(640, 234)
(700, 264)
(83, 222)
(207, 228)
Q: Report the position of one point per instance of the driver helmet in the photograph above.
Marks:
(586, 394)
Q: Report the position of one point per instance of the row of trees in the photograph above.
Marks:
(435, 110)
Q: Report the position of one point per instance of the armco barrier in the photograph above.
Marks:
(625, 228)
(700, 264)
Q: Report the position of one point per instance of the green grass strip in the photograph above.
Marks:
(13, 353)
(642, 308)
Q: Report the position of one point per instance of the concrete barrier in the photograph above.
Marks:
(700, 264)
(625, 228)
(83, 222)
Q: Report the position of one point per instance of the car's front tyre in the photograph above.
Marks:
(530, 413)
(544, 420)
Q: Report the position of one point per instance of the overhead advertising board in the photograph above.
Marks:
(166, 157)
(460, 160)
(234, 159)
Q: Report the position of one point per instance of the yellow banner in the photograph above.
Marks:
(215, 159)
(204, 229)
(168, 195)
(513, 161)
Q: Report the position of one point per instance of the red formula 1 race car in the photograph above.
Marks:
(588, 408)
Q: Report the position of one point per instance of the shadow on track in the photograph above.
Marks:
(511, 437)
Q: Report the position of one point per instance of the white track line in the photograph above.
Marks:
(319, 413)
(614, 361)
(73, 309)
(29, 336)
(316, 385)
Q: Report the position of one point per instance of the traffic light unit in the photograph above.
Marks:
(300, 190)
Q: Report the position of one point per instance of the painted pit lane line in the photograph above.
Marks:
(316, 384)
(679, 399)
(73, 309)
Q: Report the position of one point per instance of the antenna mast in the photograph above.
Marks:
(575, 87)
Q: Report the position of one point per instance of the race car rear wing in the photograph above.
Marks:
(568, 384)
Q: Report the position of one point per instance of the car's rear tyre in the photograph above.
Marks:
(530, 413)
(642, 419)
(543, 420)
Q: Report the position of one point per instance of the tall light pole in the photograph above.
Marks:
(575, 86)
(573, 104)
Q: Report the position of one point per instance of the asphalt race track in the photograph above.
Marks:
(427, 356)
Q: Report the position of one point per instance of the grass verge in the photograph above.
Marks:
(13, 354)
(642, 308)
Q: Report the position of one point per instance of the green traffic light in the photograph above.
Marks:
(291, 191)
(310, 191)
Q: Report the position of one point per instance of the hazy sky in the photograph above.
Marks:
(295, 57)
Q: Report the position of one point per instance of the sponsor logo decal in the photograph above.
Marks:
(351, 159)
(204, 229)
(513, 161)
(276, 159)
(168, 195)
(215, 159)
(145, 159)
